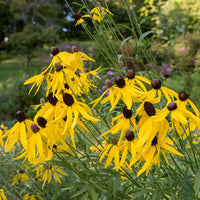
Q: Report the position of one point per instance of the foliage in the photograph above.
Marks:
(65, 142)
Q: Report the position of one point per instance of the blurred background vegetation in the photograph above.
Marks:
(29, 28)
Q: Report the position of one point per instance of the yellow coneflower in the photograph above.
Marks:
(18, 132)
(179, 114)
(46, 172)
(20, 177)
(38, 79)
(122, 90)
(72, 108)
(31, 196)
(99, 12)
(157, 90)
(183, 101)
(153, 149)
(2, 195)
(3, 130)
(146, 120)
(113, 153)
(130, 145)
(124, 121)
(77, 59)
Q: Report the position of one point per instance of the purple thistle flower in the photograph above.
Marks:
(195, 61)
(164, 65)
(109, 73)
(104, 87)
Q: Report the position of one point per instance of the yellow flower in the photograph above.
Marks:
(72, 108)
(124, 121)
(158, 89)
(146, 120)
(2, 195)
(113, 153)
(85, 82)
(30, 196)
(122, 90)
(77, 59)
(38, 79)
(130, 145)
(99, 12)
(152, 150)
(3, 130)
(18, 132)
(183, 101)
(179, 114)
(20, 177)
(46, 172)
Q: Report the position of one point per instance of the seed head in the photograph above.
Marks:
(114, 140)
(108, 83)
(149, 109)
(156, 84)
(42, 122)
(120, 82)
(66, 86)
(127, 113)
(182, 96)
(77, 16)
(74, 49)
(68, 99)
(54, 51)
(129, 135)
(154, 141)
(43, 69)
(52, 99)
(172, 106)
(20, 116)
(58, 67)
(130, 74)
(34, 128)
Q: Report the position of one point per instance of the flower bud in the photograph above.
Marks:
(130, 74)
(54, 50)
(86, 69)
(42, 100)
(108, 83)
(74, 49)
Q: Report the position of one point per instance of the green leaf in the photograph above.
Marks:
(141, 193)
(144, 20)
(125, 40)
(144, 35)
(93, 193)
(83, 190)
(78, 4)
(122, 25)
(197, 184)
